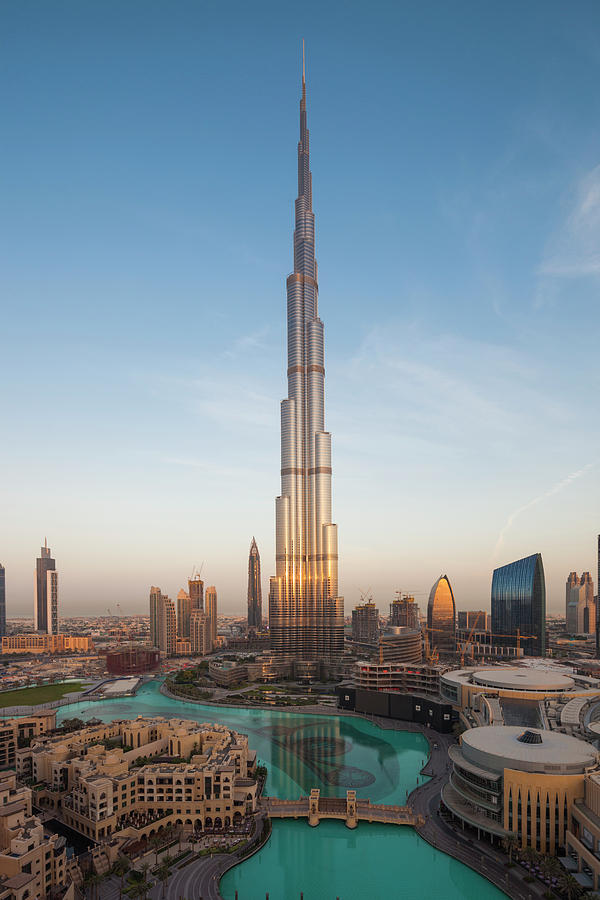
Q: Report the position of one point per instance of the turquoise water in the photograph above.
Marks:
(333, 753)
(373, 862)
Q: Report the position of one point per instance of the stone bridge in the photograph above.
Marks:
(350, 810)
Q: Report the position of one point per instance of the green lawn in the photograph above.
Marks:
(42, 694)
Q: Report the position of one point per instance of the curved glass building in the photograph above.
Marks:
(441, 617)
(519, 605)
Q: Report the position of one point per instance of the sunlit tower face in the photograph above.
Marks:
(306, 616)
(441, 617)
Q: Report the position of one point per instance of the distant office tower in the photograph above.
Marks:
(184, 608)
(306, 616)
(404, 612)
(200, 634)
(2, 601)
(580, 606)
(196, 592)
(211, 612)
(42, 602)
(254, 589)
(365, 623)
(155, 602)
(473, 618)
(441, 617)
(519, 605)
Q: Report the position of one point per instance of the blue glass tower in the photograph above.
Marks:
(519, 605)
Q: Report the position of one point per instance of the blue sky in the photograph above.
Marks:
(148, 181)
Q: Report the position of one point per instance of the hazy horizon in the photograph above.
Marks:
(148, 185)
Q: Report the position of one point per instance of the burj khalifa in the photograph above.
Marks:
(306, 616)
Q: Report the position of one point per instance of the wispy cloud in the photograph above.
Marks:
(444, 389)
(574, 251)
(248, 343)
(555, 489)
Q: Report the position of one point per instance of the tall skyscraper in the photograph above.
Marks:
(211, 612)
(184, 608)
(598, 604)
(404, 612)
(155, 601)
(519, 605)
(2, 600)
(163, 622)
(580, 606)
(441, 617)
(52, 598)
(196, 592)
(365, 623)
(43, 599)
(254, 589)
(306, 616)
(167, 629)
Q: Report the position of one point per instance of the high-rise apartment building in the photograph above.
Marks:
(519, 605)
(200, 632)
(365, 623)
(441, 617)
(167, 632)
(254, 589)
(306, 616)
(211, 612)
(45, 603)
(580, 606)
(163, 622)
(2, 601)
(473, 618)
(404, 612)
(196, 592)
(184, 608)
(155, 602)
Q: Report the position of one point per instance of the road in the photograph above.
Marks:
(198, 880)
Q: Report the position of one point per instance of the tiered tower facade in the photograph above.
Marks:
(306, 616)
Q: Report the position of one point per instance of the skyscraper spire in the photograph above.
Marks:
(305, 613)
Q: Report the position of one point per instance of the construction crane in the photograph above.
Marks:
(432, 653)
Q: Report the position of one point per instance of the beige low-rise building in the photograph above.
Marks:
(101, 780)
(46, 643)
(16, 731)
(32, 862)
(583, 836)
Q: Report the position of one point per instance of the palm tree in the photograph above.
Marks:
(510, 844)
(530, 855)
(163, 873)
(548, 867)
(138, 890)
(156, 843)
(120, 869)
(92, 880)
(569, 885)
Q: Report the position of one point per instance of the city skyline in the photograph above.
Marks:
(444, 333)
